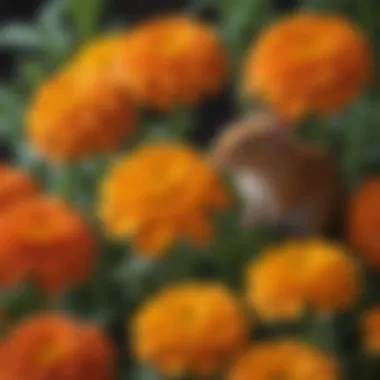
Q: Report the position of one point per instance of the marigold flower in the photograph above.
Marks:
(16, 186)
(46, 240)
(299, 69)
(363, 228)
(273, 288)
(285, 359)
(160, 193)
(4, 372)
(100, 57)
(370, 327)
(190, 328)
(52, 346)
(332, 280)
(80, 112)
(161, 71)
(326, 280)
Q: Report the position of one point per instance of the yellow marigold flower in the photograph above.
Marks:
(299, 69)
(16, 186)
(191, 328)
(79, 112)
(363, 228)
(161, 71)
(288, 278)
(46, 240)
(160, 193)
(331, 277)
(285, 359)
(53, 346)
(101, 57)
(273, 289)
(370, 327)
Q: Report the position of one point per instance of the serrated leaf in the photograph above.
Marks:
(20, 36)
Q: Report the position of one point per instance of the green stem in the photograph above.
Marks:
(241, 21)
(64, 181)
(322, 331)
(368, 11)
(353, 148)
(86, 15)
(180, 121)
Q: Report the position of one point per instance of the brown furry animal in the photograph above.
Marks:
(282, 180)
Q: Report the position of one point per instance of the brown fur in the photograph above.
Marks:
(302, 175)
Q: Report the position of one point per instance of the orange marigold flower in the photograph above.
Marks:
(50, 346)
(80, 112)
(273, 288)
(363, 228)
(190, 328)
(285, 359)
(46, 240)
(331, 277)
(326, 280)
(299, 69)
(4, 371)
(162, 71)
(159, 193)
(100, 57)
(370, 327)
(16, 186)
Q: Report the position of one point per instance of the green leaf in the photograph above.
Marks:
(242, 20)
(20, 36)
(32, 72)
(52, 26)
(11, 112)
(328, 5)
(197, 6)
(86, 15)
(21, 301)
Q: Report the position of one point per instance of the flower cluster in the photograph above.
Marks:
(174, 190)
(162, 194)
(53, 346)
(326, 279)
(284, 359)
(300, 70)
(162, 71)
(193, 328)
(78, 113)
(90, 106)
(45, 240)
